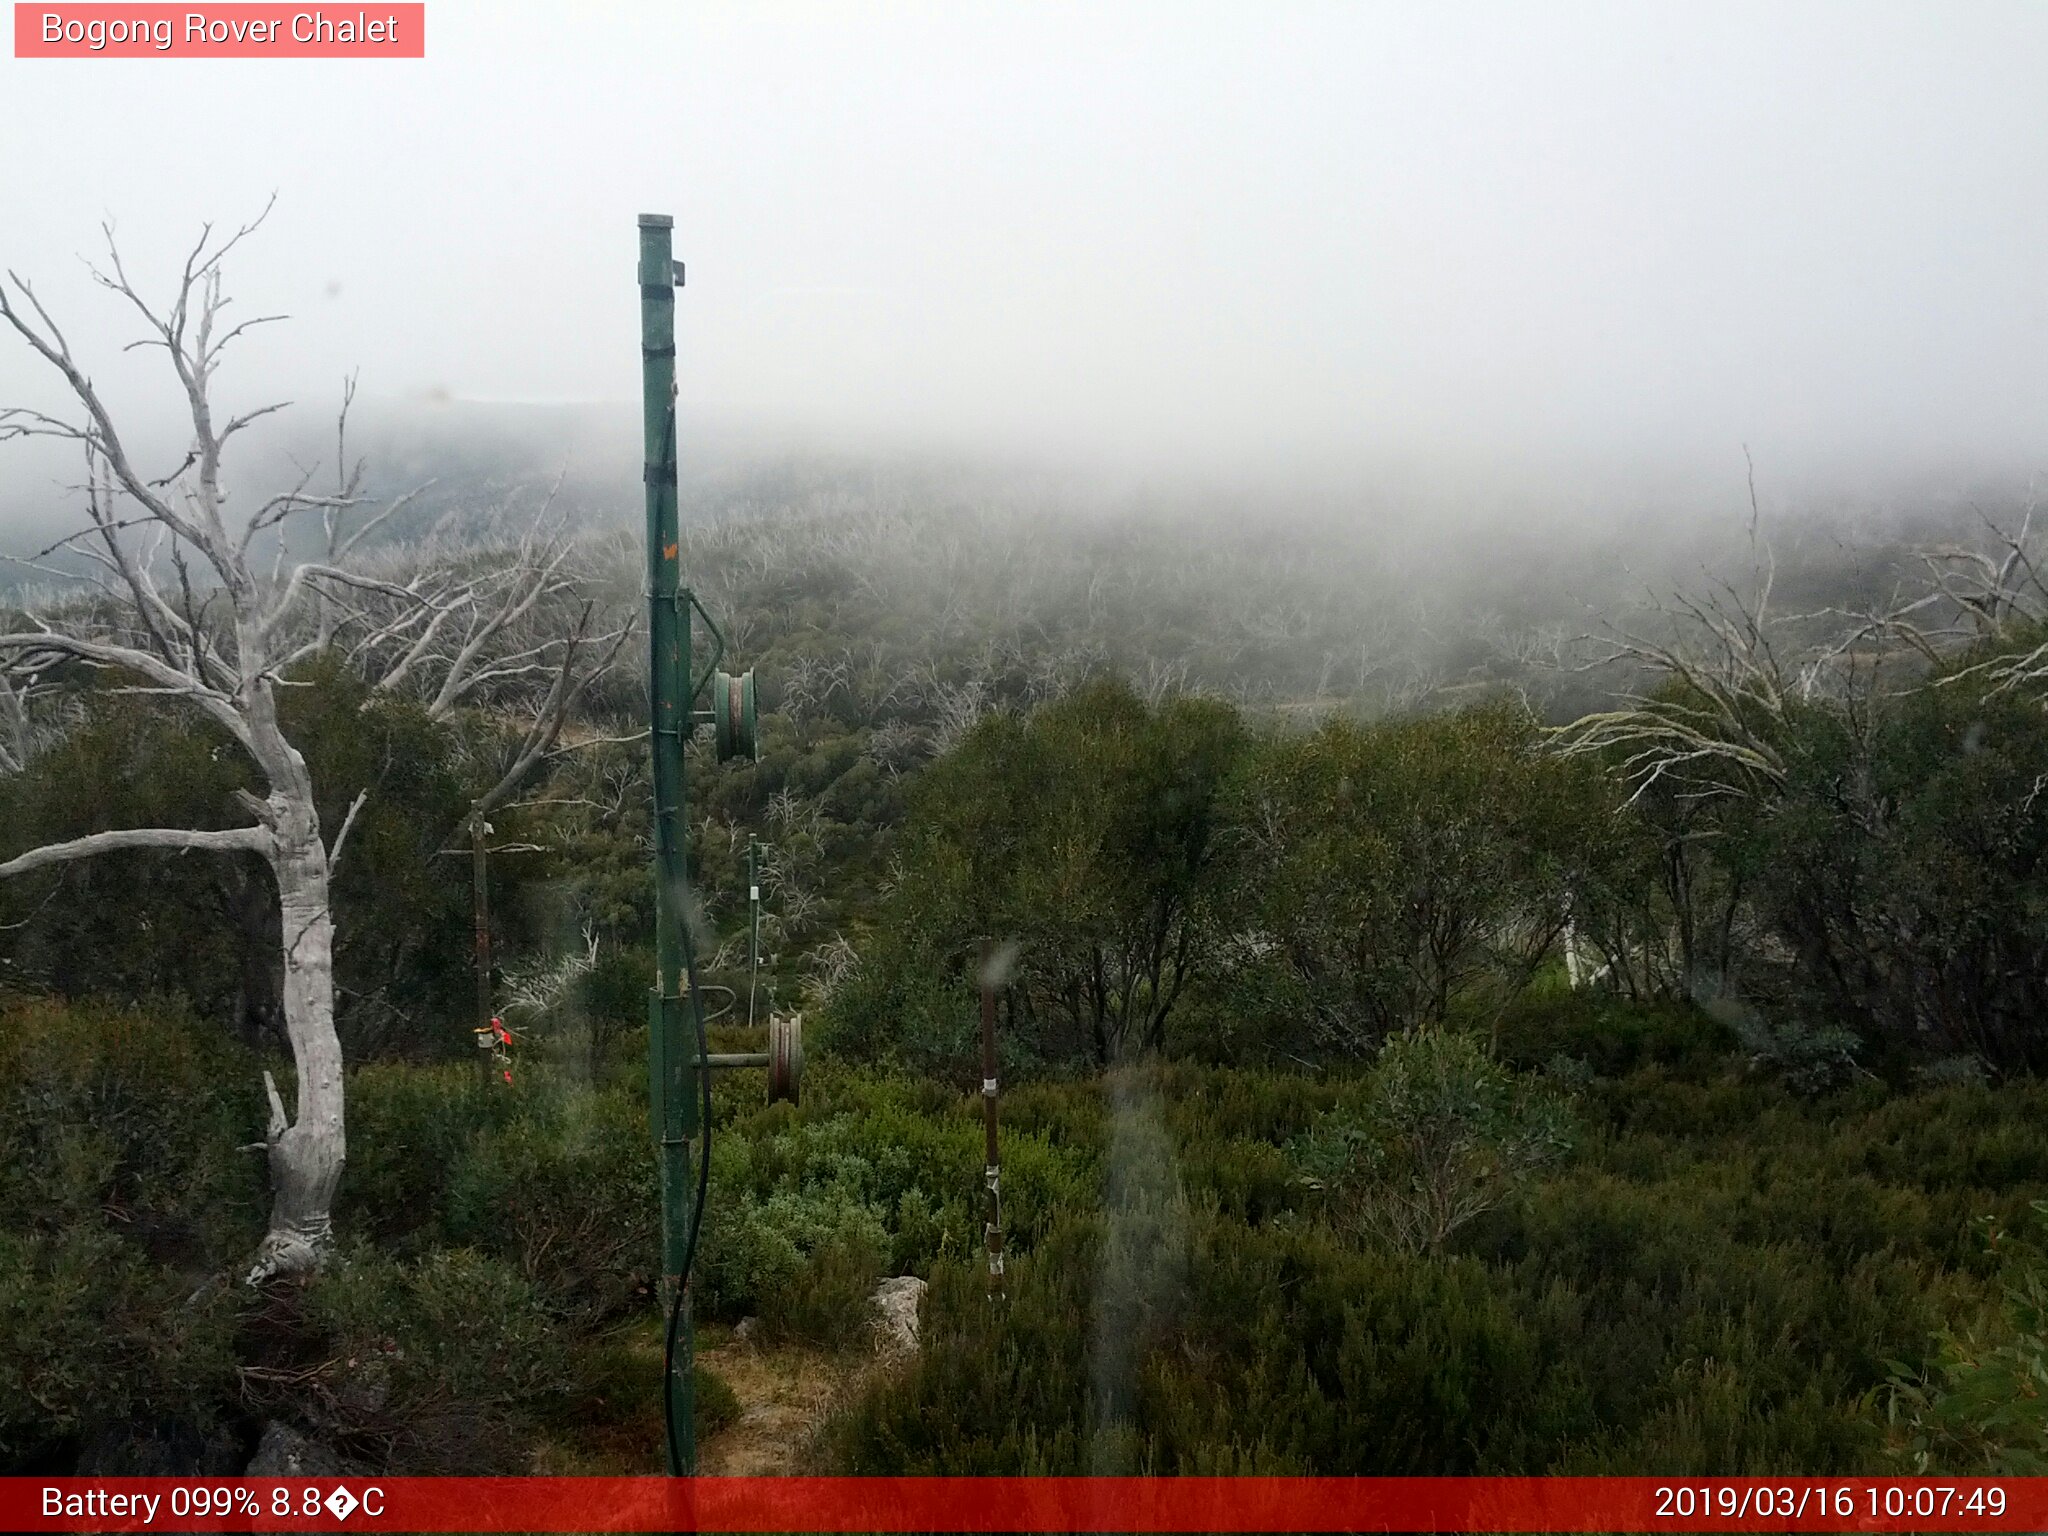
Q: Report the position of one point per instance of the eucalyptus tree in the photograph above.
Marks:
(1401, 866)
(1851, 807)
(1087, 831)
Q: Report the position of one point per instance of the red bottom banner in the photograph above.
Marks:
(569, 1504)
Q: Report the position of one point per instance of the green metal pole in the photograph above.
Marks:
(672, 1070)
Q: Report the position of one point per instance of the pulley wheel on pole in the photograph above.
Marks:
(733, 716)
(785, 1057)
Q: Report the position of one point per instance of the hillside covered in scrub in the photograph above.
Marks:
(1429, 1053)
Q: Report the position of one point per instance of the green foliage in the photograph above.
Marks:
(1981, 1405)
(437, 1366)
(138, 925)
(827, 1299)
(120, 1194)
(612, 999)
(1724, 1276)
(1443, 1134)
(1087, 834)
(93, 1334)
(913, 1006)
(1949, 939)
(1609, 1037)
(1810, 1060)
(567, 1194)
(409, 1126)
(553, 1177)
(129, 1119)
(1284, 1352)
(599, 836)
(1874, 864)
(716, 1404)
(871, 1176)
(1397, 866)
(760, 1250)
(1721, 1277)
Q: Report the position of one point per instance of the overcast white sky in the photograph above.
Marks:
(1268, 234)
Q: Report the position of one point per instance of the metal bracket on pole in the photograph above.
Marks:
(672, 1108)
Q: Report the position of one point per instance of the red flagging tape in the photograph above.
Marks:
(972, 1504)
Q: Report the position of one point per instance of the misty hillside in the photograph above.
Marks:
(1274, 805)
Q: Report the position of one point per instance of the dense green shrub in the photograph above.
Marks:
(1088, 832)
(567, 1193)
(1981, 1405)
(441, 1365)
(760, 1252)
(1443, 1134)
(1723, 1278)
(547, 1173)
(122, 1201)
(131, 1116)
(1727, 1275)
(1612, 1037)
(409, 1127)
(1267, 1351)
(94, 1335)
(870, 1165)
(827, 1299)
(1398, 866)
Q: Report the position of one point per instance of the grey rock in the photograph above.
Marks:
(896, 1302)
(285, 1452)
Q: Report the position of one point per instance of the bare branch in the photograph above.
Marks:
(341, 837)
(49, 344)
(235, 840)
(554, 711)
(216, 704)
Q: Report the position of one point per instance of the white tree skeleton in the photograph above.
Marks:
(223, 649)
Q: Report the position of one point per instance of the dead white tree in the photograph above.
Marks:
(1721, 723)
(220, 639)
(18, 734)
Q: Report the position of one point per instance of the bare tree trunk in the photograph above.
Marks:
(306, 1153)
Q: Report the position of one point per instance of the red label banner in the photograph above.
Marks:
(233, 31)
(1031, 1504)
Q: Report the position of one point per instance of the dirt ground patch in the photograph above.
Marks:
(785, 1392)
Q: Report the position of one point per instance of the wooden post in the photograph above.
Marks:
(992, 1231)
(480, 892)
